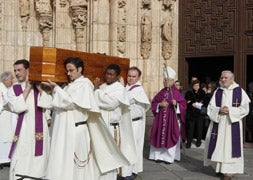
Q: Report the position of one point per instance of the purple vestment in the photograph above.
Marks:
(165, 131)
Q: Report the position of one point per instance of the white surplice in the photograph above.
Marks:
(139, 105)
(225, 163)
(24, 161)
(80, 152)
(113, 101)
(6, 126)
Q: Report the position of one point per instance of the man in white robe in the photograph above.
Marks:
(30, 146)
(81, 147)
(113, 101)
(139, 105)
(224, 141)
(6, 132)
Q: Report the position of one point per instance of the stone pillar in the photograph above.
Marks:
(79, 21)
(44, 12)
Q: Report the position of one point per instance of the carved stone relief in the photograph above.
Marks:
(146, 36)
(121, 28)
(168, 4)
(24, 11)
(166, 29)
(63, 3)
(146, 4)
(79, 21)
(44, 12)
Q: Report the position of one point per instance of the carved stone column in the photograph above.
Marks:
(24, 11)
(44, 12)
(121, 29)
(79, 21)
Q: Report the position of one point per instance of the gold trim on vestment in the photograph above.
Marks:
(38, 136)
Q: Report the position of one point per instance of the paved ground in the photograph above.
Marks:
(189, 168)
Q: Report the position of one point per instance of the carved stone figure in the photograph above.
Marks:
(168, 4)
(24, 8)
(167, 29)
(146, 28)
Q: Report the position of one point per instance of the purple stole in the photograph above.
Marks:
(134, 86)
(38, 124)
(235, 127)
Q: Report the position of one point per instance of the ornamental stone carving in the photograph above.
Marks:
(24, 11)
(44, 12)
(168, 4)
(121, 28)
(146, 36)
(63, 3)
(146, 4)
(79, 21)
(166, 33)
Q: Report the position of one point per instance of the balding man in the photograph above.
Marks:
(224, 139)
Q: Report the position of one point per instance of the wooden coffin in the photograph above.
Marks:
(48, 63)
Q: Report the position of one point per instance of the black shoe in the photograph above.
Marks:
(188, 145)
(198, 143)
(1, 167)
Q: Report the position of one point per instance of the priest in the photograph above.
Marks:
(168, 129)
(224, 140)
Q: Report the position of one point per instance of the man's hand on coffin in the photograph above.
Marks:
(49, 84)
(96, 83)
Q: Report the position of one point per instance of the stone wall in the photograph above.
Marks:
(146, 31)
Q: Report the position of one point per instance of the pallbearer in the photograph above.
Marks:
(30, 147)
(81, 147)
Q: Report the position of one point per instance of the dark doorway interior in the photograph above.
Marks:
(249, 69)
(203, 67)
(249, 118)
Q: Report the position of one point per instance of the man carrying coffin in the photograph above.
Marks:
(139, 105)
(114, 104)
(81, 147)
(224, 140)
(30, 146)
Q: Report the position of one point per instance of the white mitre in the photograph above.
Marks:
(169, 73)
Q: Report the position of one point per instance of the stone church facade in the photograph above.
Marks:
(145, 31)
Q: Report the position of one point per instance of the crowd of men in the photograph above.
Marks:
(99, 128)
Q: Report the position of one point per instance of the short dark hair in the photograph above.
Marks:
(24, 62)
(135, 68)
(76, 61)
(114, 67)
(195, 82)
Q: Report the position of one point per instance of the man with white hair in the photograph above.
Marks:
(168, 107)
(224, 140)
(6, 133)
